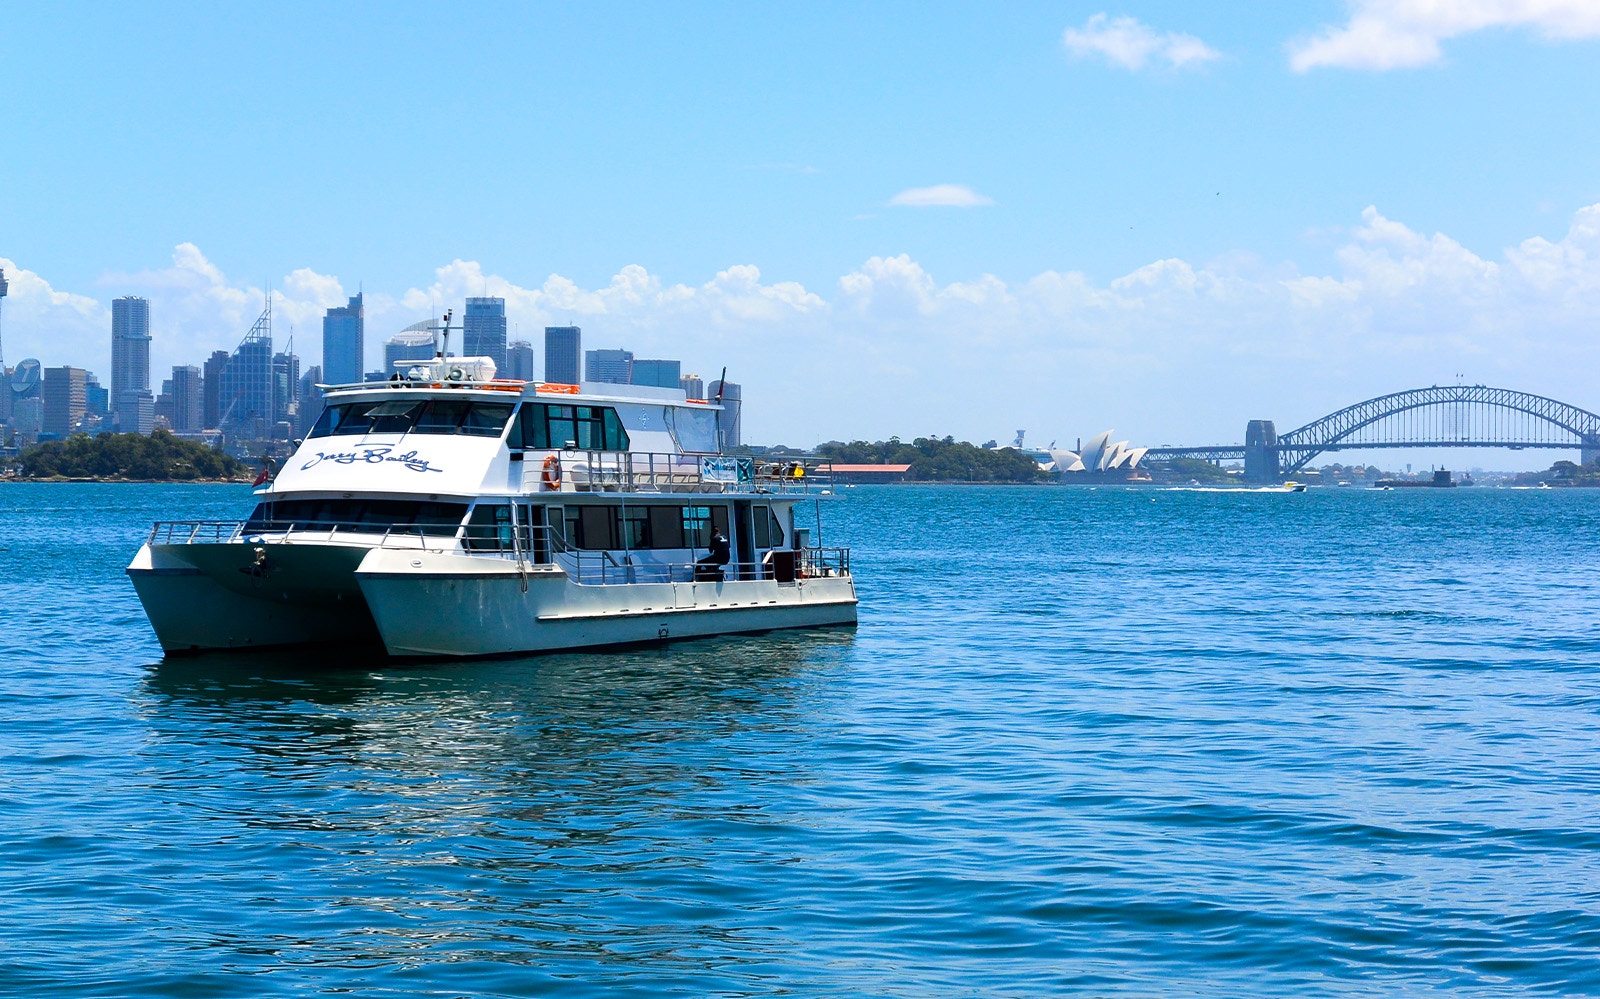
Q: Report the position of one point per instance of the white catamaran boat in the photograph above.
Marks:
(448, 513)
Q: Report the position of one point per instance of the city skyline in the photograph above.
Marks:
(1153, 216)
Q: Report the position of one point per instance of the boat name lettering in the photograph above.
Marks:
(373, 455)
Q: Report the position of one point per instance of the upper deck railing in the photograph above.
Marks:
(572, 470)
(527, 545)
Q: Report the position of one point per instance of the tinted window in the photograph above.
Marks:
(588, 428)
(402, 416)
(486, 419)
(489, 528)
(666, 526)
(365, 515)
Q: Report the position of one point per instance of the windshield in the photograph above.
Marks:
(413, 416)
(363, 515)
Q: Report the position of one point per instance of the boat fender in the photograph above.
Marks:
(552, 472)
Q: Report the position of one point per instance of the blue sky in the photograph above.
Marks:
(1164, 217)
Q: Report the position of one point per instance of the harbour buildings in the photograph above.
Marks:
(344, 342)
(563, 354)
(519, 361)
(693, 386)
(416, 342)
(182, 400)
(614, 366)
(483, 329)
(64, 400)
(657, 372)
(130, 360)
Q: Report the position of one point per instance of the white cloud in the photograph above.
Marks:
(1391, 34)
(1126, 42)
(940, 196)
(1174, 351)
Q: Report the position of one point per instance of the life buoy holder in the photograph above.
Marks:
(552, 472)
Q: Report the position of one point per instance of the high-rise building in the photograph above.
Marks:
(136, 411)
(246, 399)
(64, 400)
(729, 432)
(416, 342)
(519, 361)
(693, 386)
(310, 400)
(344, 342)
(285, 388)
(130, 349)
(96, 400)
(483, 329)
(563, 354)
(216, 370)
(614, 366)
(654, 371)
(187, 391)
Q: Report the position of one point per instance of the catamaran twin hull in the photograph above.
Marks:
(433, 603)
(450, 513)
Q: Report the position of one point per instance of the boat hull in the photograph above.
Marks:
(231, 595)
(438, 604)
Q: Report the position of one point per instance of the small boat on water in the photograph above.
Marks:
(450, 513)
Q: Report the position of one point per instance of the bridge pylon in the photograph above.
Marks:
(1261, 451)
(1590, 451)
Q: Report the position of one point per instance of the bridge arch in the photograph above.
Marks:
(1444, 416)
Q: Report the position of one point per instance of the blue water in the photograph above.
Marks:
(1083, 742)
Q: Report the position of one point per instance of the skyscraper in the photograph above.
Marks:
(211, 386)
(563, 353)
(654, 371)
(65, 400)
(285, 389)
(310, 400)
(416, 342)
(729, 429)
(615, 366)
(519, 360)
(693, 386)
(188, 399)
(130, 349)
(344, 343)
(483, 329)
(246, 399)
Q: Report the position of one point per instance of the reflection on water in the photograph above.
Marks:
(541, 802)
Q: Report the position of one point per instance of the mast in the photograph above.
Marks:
(3, 287)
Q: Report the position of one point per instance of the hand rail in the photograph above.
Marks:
(526, 544)
(664, 472)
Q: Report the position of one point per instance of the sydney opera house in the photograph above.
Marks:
(1099, 457)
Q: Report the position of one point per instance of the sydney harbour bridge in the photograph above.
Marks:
(1438, 416)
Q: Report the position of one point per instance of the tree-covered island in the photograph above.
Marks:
(157, 457)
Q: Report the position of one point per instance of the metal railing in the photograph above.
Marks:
(200, 532)
(528, 545)
(659, 472)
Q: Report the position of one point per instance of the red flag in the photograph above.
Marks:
(266, 473)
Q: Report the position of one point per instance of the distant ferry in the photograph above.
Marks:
(450, 513)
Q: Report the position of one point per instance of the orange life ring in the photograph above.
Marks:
(552, 472)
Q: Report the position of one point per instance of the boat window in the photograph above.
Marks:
(588, 428)
(486, 419)
(774, 529)
(489, 528)
(443, 416)
(694, 429)
(597, 527)
(396, 417)
(700, 522)
(666, 526)
(364, 515)
(636, 527)
(402, 416)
